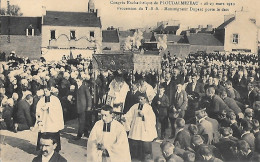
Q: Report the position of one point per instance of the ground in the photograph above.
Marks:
(20, 147)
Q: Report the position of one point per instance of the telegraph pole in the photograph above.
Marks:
(8, 12)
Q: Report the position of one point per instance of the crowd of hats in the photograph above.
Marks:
(214, 61)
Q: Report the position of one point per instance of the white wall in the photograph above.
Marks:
(57, 54)
(62, 41)
(248, 35)
(113, 46)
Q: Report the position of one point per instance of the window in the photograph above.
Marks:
(72, 34)
(29, 32)
(235, 39)
(92, 34)
(53, 34)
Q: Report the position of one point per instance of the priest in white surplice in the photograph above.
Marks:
(142, 132)
(118, 90)
(108, 140)
(49, 117)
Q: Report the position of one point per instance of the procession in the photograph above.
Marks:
(73, 87)
(206, 107)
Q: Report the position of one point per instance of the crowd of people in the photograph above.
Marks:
(210, 102)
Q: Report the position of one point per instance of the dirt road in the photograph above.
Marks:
(20, 147)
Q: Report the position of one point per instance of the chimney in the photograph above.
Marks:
(209, 27)
(91, 6)
(187, 33)
(43, 12)
(227, 17)
(98, 12)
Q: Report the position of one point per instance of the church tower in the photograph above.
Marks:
(91, 6)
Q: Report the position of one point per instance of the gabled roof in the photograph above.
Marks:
(203, 39)
(110, 36)
(223, 25)
(159, 28)
(171, 28)
(19, 24)
(80, 19)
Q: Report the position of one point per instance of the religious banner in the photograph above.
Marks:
(147, 63)
(113, 62)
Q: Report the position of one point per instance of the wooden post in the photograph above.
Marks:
(158, 80)
(132, 79)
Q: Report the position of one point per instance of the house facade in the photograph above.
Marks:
(65, 33)
(239, 34)
(110, 41)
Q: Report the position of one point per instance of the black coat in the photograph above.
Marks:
(84, 99)
(130, 100)
(23, 113)
(183, 139)
(199, 88)
(56, 157)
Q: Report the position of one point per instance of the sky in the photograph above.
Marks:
(111, 16)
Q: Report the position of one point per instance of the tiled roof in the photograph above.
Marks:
(159, 28)
(171, 28)
(223, 25)
(80, 19)
(184, 39)
(110, 36)
(204, 39)
(19, 24)
(147, 35)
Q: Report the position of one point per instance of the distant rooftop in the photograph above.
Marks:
(80, 19)
(19, 24)
(110, 36)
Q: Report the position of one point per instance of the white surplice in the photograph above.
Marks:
(50, 114)
(117, 94)
(115, 142)
(141, 129)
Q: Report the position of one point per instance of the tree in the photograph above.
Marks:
(14, 10)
